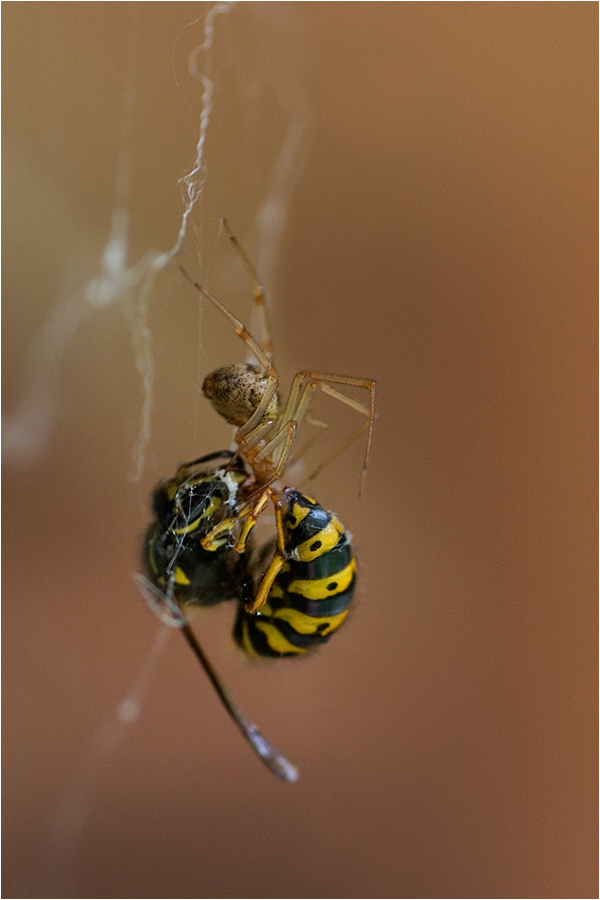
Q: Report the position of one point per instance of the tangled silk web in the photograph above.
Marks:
(28, 429)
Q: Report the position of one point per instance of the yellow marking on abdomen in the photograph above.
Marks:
(181, 577)
(304, 624)
(327, 539)
(319, 588)
(247, 643)
(276, 640)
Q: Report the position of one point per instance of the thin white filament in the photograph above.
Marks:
(26, 432)
(68, 819)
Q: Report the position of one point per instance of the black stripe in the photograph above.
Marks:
(260, 641)
(257, 638)
(330, 606)
(329, 563)
(311, 525)
(315, 521)
(305, 641)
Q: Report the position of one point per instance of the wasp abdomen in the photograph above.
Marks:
(309, 598)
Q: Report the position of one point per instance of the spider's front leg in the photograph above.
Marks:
(279, 556)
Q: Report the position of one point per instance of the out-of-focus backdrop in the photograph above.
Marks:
(416, 184)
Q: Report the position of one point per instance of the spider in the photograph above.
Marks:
(247, 396)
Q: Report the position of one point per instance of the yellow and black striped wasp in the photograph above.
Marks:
(198, 550)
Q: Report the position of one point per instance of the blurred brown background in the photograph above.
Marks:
(441, 239)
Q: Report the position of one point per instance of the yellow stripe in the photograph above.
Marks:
(213, 506)
(299, 513)
(247, 643)
(180, 576)
(328, 538)
(318, 589)
(276, 640)
(307, 624)
(187, 528)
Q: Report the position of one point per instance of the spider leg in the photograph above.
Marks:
(286, 438)
(331, 392)
(239, 326)
(262, 357)
(251, 512)
(251, 515)
(253, 422)
(277, 560)
(307, 382)
(323, 465)
(257, 290)
(316, 423)
(286, 434)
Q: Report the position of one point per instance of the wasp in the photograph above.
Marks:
(199, 549)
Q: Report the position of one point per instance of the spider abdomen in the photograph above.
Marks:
(236, 392)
